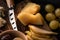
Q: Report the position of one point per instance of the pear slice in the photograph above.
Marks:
(40, 35)
(37, 38)
(33, 36)
(40, 31)
(29, 38)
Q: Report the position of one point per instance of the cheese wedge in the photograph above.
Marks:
(27, 18)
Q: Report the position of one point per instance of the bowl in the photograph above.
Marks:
(14, 33)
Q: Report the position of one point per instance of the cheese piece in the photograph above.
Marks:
(27, 18)
(31, 8)
(37, 19)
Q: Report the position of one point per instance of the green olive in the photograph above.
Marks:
(54, 24)
(57, 12)
(49, 8)
(50, 16)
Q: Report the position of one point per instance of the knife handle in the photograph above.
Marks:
(10, 3)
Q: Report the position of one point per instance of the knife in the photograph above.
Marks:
(11, 14)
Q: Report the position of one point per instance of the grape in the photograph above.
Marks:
(50, 17)
(57, 12)
(49, 8)
(54, 24)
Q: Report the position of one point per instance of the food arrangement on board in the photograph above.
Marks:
(25, 21)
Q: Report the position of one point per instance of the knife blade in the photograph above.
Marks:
(11, 14)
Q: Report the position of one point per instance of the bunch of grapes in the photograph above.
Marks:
(52, 16)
